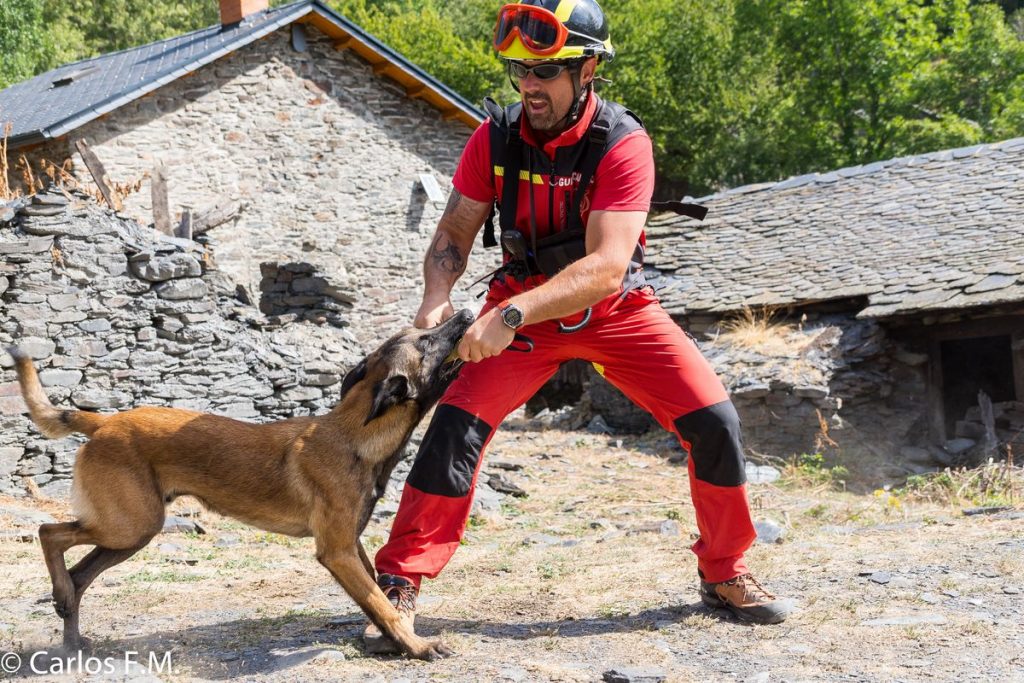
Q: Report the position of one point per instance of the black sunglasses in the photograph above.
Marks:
(545, 72)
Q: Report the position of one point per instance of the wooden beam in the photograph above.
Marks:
(158, 190)
(98, 173)
(1017, 349)
(345, 43)
(417, 91)
(208, 220)
(449, 114)
(382, 67)
(184, 229)
(988, 419)
(936, 406)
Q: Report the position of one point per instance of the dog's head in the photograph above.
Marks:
(412, 369)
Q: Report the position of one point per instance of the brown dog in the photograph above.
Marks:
(307, 476)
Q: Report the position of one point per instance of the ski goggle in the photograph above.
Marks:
(545, 72)
(538, 29)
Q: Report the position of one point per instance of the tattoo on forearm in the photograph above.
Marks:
(446, 256)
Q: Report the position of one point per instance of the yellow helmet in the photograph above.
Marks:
(552, 29)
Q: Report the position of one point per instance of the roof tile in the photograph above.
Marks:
(39, 109)
(934, 231)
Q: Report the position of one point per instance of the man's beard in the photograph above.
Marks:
(547, 121)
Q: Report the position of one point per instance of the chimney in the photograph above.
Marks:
(233, 11)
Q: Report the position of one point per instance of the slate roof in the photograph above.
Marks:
(922, 233)
(58, 101)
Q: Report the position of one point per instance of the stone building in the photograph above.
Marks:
(325, 136)
(117, 315)
(903, 282)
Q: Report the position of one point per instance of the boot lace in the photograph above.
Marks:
(402, 595)
(751, 587)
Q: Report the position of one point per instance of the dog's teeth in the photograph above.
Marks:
(454, 354)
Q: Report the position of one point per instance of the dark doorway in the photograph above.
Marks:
(973, 365)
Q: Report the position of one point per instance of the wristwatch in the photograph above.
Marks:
(511, 314)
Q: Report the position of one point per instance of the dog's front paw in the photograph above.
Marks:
(433, 649)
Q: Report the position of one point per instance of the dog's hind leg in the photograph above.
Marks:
(85, 572)
(120, 509)
(55, 540)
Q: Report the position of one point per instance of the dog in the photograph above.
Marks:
(306, 476)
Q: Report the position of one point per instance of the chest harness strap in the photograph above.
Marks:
(566, 245)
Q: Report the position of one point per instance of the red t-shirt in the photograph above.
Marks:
(623, 181)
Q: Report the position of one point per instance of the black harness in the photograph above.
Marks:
(566, 244)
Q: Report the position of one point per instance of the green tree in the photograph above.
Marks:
(670, 68)
(862, 80)
(978, 79)
(93, 27)
(732, 91)
(446, 39)
(23, 40)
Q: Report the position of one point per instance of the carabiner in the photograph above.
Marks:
(569, 329)
(525, 342)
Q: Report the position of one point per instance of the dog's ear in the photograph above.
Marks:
(387, 393)
(353, 376)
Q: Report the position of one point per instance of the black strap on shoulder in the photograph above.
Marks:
(611, 123)
(506, 151)
(695, 211)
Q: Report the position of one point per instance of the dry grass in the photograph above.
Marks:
(992, 484)
(29, 180)
(6, 192)
(32, 179)
(760, 330)
(122, 191)
(783, 344)
(60, 175)
(551, 611)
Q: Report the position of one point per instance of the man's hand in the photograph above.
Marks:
(487, 337)
(432, 314)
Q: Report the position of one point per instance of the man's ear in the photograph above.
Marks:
(353, 376)
(387, 393)
(588, 71)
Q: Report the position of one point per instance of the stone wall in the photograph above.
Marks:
(324, 155)
(296, 291)
(837, 373)
(865, 386)
(117, 315)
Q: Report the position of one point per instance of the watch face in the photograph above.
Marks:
(512, 316)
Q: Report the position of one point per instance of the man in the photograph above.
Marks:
(555, 303)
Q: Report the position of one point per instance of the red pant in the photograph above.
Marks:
(640, 350)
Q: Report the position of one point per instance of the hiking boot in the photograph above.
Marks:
(747, 599)
(402, 594)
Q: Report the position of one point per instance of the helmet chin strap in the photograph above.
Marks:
(580, 94)
(580, 99)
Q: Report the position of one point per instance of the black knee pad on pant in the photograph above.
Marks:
(449, 453)
(716, 443)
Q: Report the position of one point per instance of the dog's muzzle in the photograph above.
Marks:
(452, 363)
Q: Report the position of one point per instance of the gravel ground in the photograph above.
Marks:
(588, 574)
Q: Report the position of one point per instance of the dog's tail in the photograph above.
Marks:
(52, 422)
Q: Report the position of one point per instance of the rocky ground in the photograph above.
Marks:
(586, 577)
